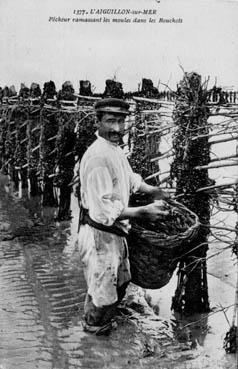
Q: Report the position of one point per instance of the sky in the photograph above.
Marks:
(36, 50)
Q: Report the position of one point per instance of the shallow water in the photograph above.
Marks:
(43, 291)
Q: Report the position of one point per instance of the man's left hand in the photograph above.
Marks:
(158, 194)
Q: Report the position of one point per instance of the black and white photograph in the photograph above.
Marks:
(119, 184)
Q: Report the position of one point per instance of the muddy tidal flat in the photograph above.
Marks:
(42, 295)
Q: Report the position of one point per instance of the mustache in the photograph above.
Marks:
(113, 133)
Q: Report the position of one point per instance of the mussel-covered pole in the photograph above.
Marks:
(230, 343)
(3, 132)
(32, 154)
(21, 117)
(65, 161)
(144, 147)
(85, 127)
(65, 149)
(190, 115)
(13, 143)
(8, 143)
(48, 128)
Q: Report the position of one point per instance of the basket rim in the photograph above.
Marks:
(177, 237)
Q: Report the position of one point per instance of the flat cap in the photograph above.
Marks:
(112, 105)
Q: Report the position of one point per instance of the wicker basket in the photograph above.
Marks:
(154, 256)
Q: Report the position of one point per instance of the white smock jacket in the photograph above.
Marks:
(106, 183)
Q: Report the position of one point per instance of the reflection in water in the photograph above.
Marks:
(192, 330)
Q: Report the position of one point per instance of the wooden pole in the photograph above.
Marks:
(191, 114)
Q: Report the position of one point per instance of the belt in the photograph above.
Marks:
(84, 218)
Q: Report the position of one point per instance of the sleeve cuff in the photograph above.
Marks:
(110, 216)
(136, 181)
(116, 211)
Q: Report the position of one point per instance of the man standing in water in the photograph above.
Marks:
(107, 181)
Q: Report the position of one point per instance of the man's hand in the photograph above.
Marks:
(158, 194)
(154, 191)
(154, 212)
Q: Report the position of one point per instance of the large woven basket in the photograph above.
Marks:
(154, 256)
